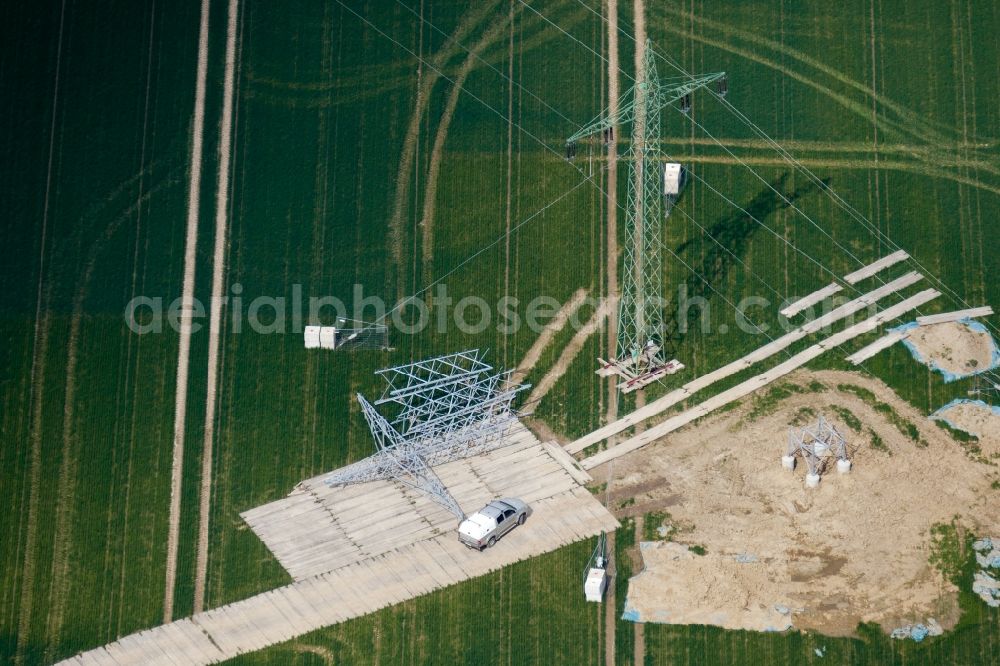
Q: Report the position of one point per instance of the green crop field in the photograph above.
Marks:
(385, 152)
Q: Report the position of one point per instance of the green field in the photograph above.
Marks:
(893, 102)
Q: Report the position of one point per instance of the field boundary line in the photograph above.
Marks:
(215, 318)
(187, 305)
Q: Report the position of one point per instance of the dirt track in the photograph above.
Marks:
(614, 91)
(215, 321)
(187, 298)
(854, 550)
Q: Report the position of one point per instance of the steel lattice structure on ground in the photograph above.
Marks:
(814, 444)
(640, 319)
(442, 409)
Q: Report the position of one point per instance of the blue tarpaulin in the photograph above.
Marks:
(939, 414)
(951, 376)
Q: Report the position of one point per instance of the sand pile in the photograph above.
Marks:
(976, 418)
(956, 349)
(853, 550)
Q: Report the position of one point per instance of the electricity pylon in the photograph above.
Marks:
(639, 356)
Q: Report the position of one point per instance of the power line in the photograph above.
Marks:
(788, 157)
(714, 139)
(449, 39)
(540, 142)
(759, 222)
(579, 170)
(696, 176)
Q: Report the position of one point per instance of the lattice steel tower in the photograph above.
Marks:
(640, 319)
(442, 409)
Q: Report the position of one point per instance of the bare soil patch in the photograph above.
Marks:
(855, 549)
(976, 420)
(954, 347)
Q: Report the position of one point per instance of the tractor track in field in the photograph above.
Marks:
(187, 298)
(548, 333)
(922, 169)
(323, 653)
(434, 166)
(65, 491)
(921, 127)
(570, 352)
(358, 78)
(136, 374)
(876, 162)
(215, 317)
(638, 628)
(133, 347)
(425, 85)
(37, 388)
(932, 152)
(427, 80)
(875, 173)
(316, 95)
(898, 128)
(917, 151)
(331, 62)
(976, 227)
(510, 169)
(895, 165)
(610, 603)
(66, 487)
(969, 221)
(37, 381)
